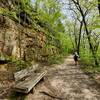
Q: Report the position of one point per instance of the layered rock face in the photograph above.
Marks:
(19, 38)
(16, 40)
(8, 35)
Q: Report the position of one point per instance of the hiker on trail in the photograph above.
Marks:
(76, 56)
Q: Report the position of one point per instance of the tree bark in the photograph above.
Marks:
(75, 35)
(99, 6)
(90, 44)
(78, 45)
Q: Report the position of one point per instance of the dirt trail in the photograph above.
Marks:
(62, 82)
(5, 82)
(66, 82)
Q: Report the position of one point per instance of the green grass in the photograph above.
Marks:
(20, 64)
(92, 69)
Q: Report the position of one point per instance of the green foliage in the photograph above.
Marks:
(55, 59)
(50, 14)
(45, 16)
(20, 64)
(91, 69)
(95, 23)
(51, 20)
(65, 43)
(86, 57)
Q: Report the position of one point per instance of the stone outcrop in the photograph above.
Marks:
(16, 39)
(21, 36)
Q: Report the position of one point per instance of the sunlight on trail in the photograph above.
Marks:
(70, 82)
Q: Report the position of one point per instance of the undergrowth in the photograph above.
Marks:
(92, 69)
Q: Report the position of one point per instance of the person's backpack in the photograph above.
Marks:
(76, 56)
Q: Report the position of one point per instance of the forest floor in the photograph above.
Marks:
(62, 82)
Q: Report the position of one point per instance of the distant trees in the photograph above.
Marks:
(83, 12)
(50, 12)
(52, 19)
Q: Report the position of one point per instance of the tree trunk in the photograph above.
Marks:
(90, 44)
(88, 34)
(79, 40)
(99, 6)
(75, 35)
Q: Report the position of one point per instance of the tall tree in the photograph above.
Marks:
(79, 22)
(83, 10)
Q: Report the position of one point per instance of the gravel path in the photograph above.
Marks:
(66, 82)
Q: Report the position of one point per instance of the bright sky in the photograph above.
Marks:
(33, 1)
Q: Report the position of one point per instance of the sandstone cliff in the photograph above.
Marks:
(21, 35)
